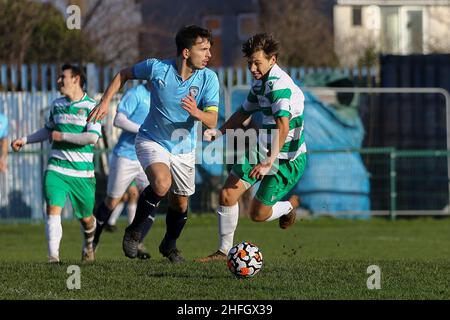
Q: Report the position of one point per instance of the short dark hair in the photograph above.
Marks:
(187, 36)
(261, 41)
(76, 71)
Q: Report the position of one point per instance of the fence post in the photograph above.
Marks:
(393, 179)
(92, 75)
(44, 77)
(53, 77)
(24, 77)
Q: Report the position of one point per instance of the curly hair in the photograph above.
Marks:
(261, 41)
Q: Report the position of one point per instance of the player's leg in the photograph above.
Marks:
(121, 175)
(176, 217)
(55, 190)
(82, 196)
(228, 215)
(228, 211)
(156, 161)
(133, 196)
(53, 232)
(115, 214)
(183, 185)
(266, 206)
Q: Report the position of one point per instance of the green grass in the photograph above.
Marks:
(315, 259)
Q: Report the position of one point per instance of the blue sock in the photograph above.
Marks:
(103, 213)
(146, 207)
(102, 216)
(175, 222)
(146, 227)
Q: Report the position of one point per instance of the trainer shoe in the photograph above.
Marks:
(173, 254)
(130, 243)
(142, 252)
(87, 255)
(216, 256)
(53, 260)
(289, 219)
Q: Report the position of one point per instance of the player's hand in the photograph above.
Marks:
(211, 134)
(99, 112)
(190, 105)
(261, 170)
(56, 136)
(17, 144)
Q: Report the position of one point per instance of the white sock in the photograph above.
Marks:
(228, 220)
(280, 209)
(53, 232)
(131, 210)
(88, 234)
(115, 214)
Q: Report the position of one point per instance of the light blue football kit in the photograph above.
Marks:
(166, 114)
(135, 104)
(124, 166)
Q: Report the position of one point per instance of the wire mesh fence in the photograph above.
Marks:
(385, 155)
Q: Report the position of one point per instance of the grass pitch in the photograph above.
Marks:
(315, 259)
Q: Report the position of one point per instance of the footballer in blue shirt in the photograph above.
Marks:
(183, 94)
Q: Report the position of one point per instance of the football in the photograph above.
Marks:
(244, 260)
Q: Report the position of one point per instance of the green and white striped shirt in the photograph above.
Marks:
(278, 96)
(70, 117)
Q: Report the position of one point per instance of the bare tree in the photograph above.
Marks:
(36, 32)
(304, 31)
(112, 26)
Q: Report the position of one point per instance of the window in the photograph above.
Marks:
(247, 25)
(214, 24)
(357, 16)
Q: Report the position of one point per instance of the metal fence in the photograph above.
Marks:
(403, 181)
(42, 77)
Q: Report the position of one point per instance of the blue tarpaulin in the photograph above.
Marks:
(333, 182)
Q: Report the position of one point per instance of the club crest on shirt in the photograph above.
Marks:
(257, 85)
(193, 91)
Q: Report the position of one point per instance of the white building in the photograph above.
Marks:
(390, 27)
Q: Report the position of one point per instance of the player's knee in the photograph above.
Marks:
(256, 215)
(179, 207)
(259, 212)
(161, 186)
(133, 196)
(111, 203)
(226, 198)
(88, 222)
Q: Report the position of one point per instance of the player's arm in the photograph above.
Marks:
(127, 106)
(121, 121)
(279, 137)
(101, 110)
(38, 136)
(208, 117)
(3, 153)
(236, 120)
(81, 139)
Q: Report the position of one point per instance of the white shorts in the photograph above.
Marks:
(122, 171)
(181, 166)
